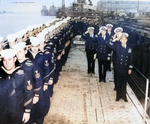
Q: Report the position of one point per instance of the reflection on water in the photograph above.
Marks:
(11, 23)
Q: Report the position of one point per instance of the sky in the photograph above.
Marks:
(34, 6)
(30, 5)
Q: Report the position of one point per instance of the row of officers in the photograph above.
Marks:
(28, 71)
(109, 45)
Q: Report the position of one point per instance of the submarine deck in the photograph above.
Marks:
(79, 98)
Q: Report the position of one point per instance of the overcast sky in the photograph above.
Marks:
(33, 6)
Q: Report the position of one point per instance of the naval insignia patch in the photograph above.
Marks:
(37, 74)
(28, 63)
(20, 72)
(50, 43)
(129, 51)
(29, 86)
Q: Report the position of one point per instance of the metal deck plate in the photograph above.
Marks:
(80, 99)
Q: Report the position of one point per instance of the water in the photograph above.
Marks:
(11, 23)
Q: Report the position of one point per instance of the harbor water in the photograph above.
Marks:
(11, 23)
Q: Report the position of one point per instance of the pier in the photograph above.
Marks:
(79, 98)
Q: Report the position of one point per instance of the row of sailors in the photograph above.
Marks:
(29, 82)
(28, 73)
(100, 46)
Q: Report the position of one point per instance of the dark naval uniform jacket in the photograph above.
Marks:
(32, 76)
(103, 51)
(50, 62)
(41, 108)
(123, 56)
(20, 100)
(41, 63)
(6, 89)
(110, 36)
(90, 44)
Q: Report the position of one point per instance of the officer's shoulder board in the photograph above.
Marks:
(129, 50)
(55, 37)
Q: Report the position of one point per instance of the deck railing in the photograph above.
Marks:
(145, 93)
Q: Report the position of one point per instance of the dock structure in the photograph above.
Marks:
(79, 98)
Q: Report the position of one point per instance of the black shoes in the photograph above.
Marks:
(125, 100)
(102, 80)
(117, 99)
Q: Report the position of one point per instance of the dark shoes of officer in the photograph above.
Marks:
(100, 80)
(123, 99)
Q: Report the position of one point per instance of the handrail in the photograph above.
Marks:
(146, 99)
(140, 72)
(146, 92)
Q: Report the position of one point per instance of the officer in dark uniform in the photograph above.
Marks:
(102, 53)
(20, 101)
(116, 38)
(84, 25)
(109, 34)
(90, 48)
(123, 65)
(96, 26)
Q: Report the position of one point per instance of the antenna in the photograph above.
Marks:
(63, 4)
(138, 7)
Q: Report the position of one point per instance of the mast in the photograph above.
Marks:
(63, 4)
(138, 7)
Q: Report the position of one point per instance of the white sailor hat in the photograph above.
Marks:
(47, 23)
(118, 29)
(68, 18)
(8, 53)
(34, 41)
(124, 34)
(90, 28)
(84, 18)
(109, 25)
(1, 39)
(96, 19)
(19, 34)
(11, 37)
(19, 46)
(41, 38)
(103, 28)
